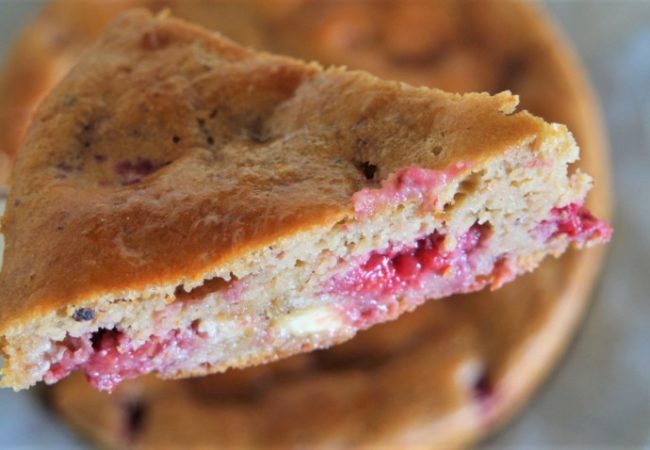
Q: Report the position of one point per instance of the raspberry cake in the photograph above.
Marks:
(185, 205)
(496, 334)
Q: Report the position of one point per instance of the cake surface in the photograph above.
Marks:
(210, 207)
(138, 412)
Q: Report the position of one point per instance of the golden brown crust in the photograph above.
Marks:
(552, 85)
(267, 146)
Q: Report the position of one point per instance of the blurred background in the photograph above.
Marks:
(599, 396)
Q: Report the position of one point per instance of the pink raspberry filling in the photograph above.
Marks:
(394, 270)
(368, 292)
(405, 184)
(577, 223)
(107, 357)
(372, 286)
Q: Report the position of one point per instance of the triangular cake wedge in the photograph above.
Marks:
(182, 205)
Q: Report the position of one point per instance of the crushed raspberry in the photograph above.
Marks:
(384, 274)
(577, 223)
(407, 266)
(107, 357)
(430, 256)
(133, 172)
(74, 351)
(371, 287)
(408, 183)
(139, 167)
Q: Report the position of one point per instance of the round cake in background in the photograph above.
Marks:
(443, 376)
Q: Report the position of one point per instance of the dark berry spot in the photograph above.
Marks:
(210, 140)
(176, 139)
(60, 227)
(483, 388)
(103, 339)
(368, 170)
(87, 144)
(133, 172)
(64, 166)
(96, 338)
(100, 158)
(123, 167)
(134, 412)
(82, 314)
(144, 167)
(17, 202)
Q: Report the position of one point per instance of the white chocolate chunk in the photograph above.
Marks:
(314, 320)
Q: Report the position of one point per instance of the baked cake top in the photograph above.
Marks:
(173, 145)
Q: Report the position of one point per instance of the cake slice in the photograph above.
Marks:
(182, 205)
